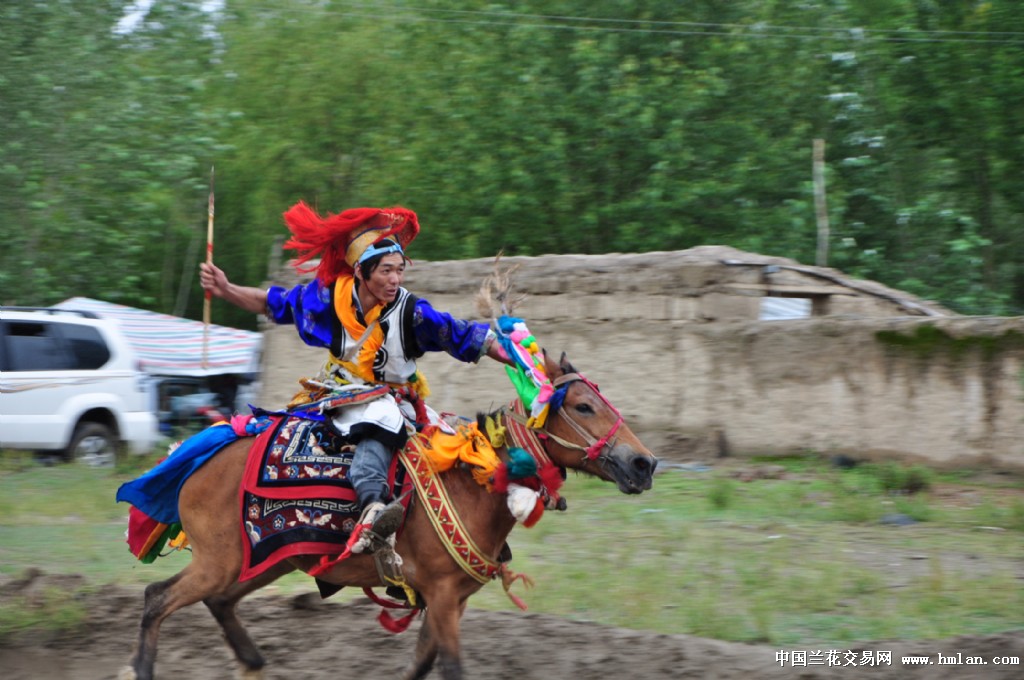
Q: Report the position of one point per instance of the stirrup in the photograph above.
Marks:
(377, 526)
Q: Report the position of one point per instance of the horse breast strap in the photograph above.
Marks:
(443, 516)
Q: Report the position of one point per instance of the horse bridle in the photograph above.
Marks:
(594, 447)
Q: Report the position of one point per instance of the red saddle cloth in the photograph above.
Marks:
(296, 498)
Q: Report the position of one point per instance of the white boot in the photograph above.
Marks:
(377, 526)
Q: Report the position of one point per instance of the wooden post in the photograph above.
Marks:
(209, 260)
(820, 210)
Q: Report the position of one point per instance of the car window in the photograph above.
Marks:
(33, 346)
(88, 349)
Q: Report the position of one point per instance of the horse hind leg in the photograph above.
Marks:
(222, 606)
(162, 599)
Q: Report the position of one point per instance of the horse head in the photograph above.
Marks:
(585, 432)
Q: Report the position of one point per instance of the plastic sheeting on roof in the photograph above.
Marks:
(170, 345)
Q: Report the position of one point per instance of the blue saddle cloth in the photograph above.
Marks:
(156, 492)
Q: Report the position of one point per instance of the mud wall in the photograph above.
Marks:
(697, 379)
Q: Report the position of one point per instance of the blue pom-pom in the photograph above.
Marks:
(558, 397)
(507, 324)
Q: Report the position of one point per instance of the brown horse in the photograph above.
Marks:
(586, 434)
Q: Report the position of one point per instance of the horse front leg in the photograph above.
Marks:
(439, 638)
(222, 606)
(425, 654)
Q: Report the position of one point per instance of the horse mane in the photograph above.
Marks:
(495, 297)
(494, 413)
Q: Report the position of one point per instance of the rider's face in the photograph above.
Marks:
(385, 280)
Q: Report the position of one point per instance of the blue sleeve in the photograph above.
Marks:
(308, 307)
(441, 332)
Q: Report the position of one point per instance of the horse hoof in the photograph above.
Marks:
(127, 673)
(249, 674)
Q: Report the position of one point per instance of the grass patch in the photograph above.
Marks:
(802, 559)
(49, 610)
(798, 560)
(1008, 516)
(16, 461)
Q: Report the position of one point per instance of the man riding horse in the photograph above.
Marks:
(373, 329)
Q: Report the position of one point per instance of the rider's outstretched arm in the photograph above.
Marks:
(249, 298)
(497, 352)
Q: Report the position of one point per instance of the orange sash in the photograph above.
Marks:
(362, 364)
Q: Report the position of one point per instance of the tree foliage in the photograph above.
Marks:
(533, 127)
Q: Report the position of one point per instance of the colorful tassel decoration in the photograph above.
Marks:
(520, 464)
(528, 376)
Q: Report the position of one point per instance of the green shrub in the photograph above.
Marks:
(721, 493)
(895, 478)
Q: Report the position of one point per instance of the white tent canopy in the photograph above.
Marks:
(170, 345)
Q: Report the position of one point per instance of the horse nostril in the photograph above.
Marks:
(644, 465)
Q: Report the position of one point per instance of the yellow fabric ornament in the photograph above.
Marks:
(179, 542)
(495, 431)
(467, 444)
(418, 384)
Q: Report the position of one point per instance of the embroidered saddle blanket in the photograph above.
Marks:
(296, 498)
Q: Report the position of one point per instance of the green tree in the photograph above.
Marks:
(99, 152)
(535, 128)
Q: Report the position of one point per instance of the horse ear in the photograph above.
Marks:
(564, 364)
(552, 368)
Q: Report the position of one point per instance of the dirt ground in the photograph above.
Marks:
(304, 637)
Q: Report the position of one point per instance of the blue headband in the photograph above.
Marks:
(373, 251)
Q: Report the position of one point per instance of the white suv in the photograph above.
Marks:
(70, 385)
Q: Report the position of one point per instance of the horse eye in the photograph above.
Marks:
(584, 409)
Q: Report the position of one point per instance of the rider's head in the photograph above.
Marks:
(370, 259)
(342, 241)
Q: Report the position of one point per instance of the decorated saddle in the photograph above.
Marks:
(296, 498)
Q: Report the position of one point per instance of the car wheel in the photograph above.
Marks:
(93, 444)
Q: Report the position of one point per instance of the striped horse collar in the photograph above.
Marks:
(526, 438)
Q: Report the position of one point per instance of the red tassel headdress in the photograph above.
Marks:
(338, 240)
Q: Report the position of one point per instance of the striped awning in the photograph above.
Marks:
(170, 345)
